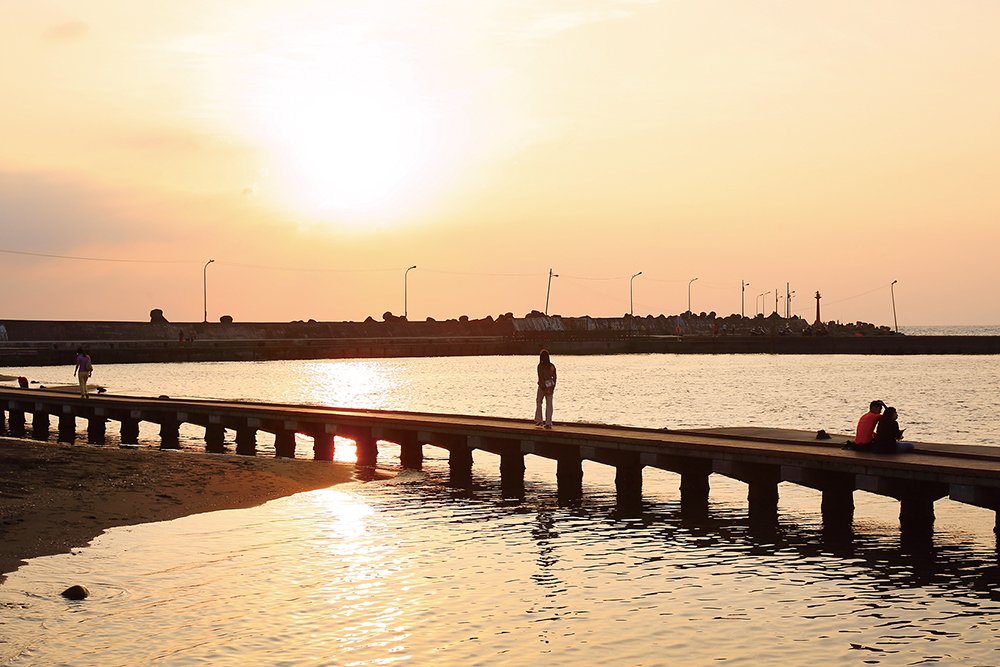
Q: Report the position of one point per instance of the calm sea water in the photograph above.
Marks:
(413, 571)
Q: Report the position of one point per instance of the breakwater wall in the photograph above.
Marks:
(45, 343)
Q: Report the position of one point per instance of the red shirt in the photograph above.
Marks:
(866, 428)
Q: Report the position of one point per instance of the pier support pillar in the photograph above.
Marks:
(916, 519)
(460, 465)
(762, 487)
(762, 496)
(246, 441)
(411, 452)
(67, 428)
(3, 423)
(916, 504)
(569, 477)
(284, 444)
(838, 495)
(16, 422)
(215, 438)
(170, 437)
(628, 483)
(40, 425)
(695, 488)
(97, 428)
(838, 509)
(512, 471)
(367, 449)
(129, 432)
(324, 446)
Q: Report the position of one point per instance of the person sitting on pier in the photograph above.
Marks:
(866, 425)
(888, 435)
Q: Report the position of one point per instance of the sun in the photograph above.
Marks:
(353, 129)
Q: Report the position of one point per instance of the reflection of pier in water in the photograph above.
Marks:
(760, 458)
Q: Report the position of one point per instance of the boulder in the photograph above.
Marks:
(76, 592)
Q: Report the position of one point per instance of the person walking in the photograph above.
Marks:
(82, 370)
(546, 386)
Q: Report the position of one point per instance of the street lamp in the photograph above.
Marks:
(630, 309)
(762, 302)
(689, 293)
(892, 293)
(405, 274)
(743, 289)
(549, 291)
(204, 287)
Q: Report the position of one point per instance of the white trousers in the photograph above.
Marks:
(548, 407)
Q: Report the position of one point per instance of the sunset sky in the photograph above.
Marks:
(316, 149)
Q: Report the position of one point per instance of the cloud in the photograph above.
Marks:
(66, 32)
(249, 190)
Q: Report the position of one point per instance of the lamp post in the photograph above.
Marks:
(788, 301)
(743, 289)
(892, 293)
(204, 287)
(689, 293)
(762, 302)
(405, 275)
(549, 291)
(630, 308)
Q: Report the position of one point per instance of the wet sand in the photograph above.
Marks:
(55, 497)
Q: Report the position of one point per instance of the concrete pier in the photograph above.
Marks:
(760, 458)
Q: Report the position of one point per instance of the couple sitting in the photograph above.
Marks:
(880, 433)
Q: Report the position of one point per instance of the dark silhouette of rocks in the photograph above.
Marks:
(156, 317)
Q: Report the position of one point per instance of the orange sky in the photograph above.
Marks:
(315, 150)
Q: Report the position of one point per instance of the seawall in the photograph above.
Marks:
(45, 343)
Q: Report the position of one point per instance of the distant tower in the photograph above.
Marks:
(818, 297)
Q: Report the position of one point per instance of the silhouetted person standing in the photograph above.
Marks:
(546, 386)
(82, 370)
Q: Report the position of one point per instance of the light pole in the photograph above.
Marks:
(775, 300)
(762, 301)
(204, 287)
(892, 293)
(788, 301)
(405, 275)
(549, 291)
(689, 293)
(630, 309)
(743, 289)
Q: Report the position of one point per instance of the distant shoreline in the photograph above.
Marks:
(42, 343)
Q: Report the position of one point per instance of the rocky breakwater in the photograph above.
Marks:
(37, 343)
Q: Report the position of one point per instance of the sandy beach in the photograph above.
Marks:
(55, 497)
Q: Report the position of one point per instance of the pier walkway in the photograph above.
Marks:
(760, 458)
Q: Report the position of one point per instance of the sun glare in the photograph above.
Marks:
(354, 130)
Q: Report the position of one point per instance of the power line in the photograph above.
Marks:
(830, 303)
(103, 259)
(300, 268)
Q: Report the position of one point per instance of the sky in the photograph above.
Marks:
(317, 149)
